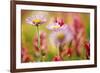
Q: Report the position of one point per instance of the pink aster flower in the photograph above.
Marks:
(53, 26)
(57, 24)
(62, 35)
(36, 20)
(60, 21)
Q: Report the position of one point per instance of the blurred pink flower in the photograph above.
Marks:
(57, 24)
(53, 26)
(43, 42)
(25, 57)
(69, 52)
(57, 58)
(60, 21)
(87, 47)
(36, 20)
(79, 33)
(61, 36)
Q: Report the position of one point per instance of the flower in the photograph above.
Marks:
(53, 26)
(25, 57)
(60, 21)
(62, 35)
(36, 20)
(87, 47)
(79, 33)
(57, 24)
(57, 58)
(69, 52)
(43, 43)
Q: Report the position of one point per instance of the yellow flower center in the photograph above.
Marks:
(55, 27)
(36, 21)
(60, 36)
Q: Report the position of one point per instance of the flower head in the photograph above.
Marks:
(87, 47)
(62, 35)
(53, 26)
(60, 21)
(25, 57)
(57, 58)
(36, 20)
(57, 24)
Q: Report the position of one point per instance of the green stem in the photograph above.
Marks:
(39, 40)
(58, 50)
(38, 37)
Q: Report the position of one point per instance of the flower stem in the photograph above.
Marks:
(60, 51)
(38, 37)
(39, 40)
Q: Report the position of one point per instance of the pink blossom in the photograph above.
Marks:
(87, 47)
(57, 58)
(25, 57)
(36, 20)
(57, 24)
(69, 52)
(43, 42)
(61, 36)
(79, 33)
(60, 21)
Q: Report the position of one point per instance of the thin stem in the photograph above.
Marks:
(39, 42)
(58, 50)
(38, 37)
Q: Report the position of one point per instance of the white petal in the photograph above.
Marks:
(29, 20)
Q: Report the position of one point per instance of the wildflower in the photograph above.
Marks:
(69, 52)
(60, 21)
(87, 47)
(57, 24)
(53, 26)
(43, 42)
(79, 33)
(25, 57)
(62, 36)
(42, 51)
(57, 58)
(36, 20)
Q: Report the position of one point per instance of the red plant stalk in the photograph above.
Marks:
(87, 48)
(57, 58)
(61, 49)
(25, 57)
(68, 51)
(43, 45)
(78, 33)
